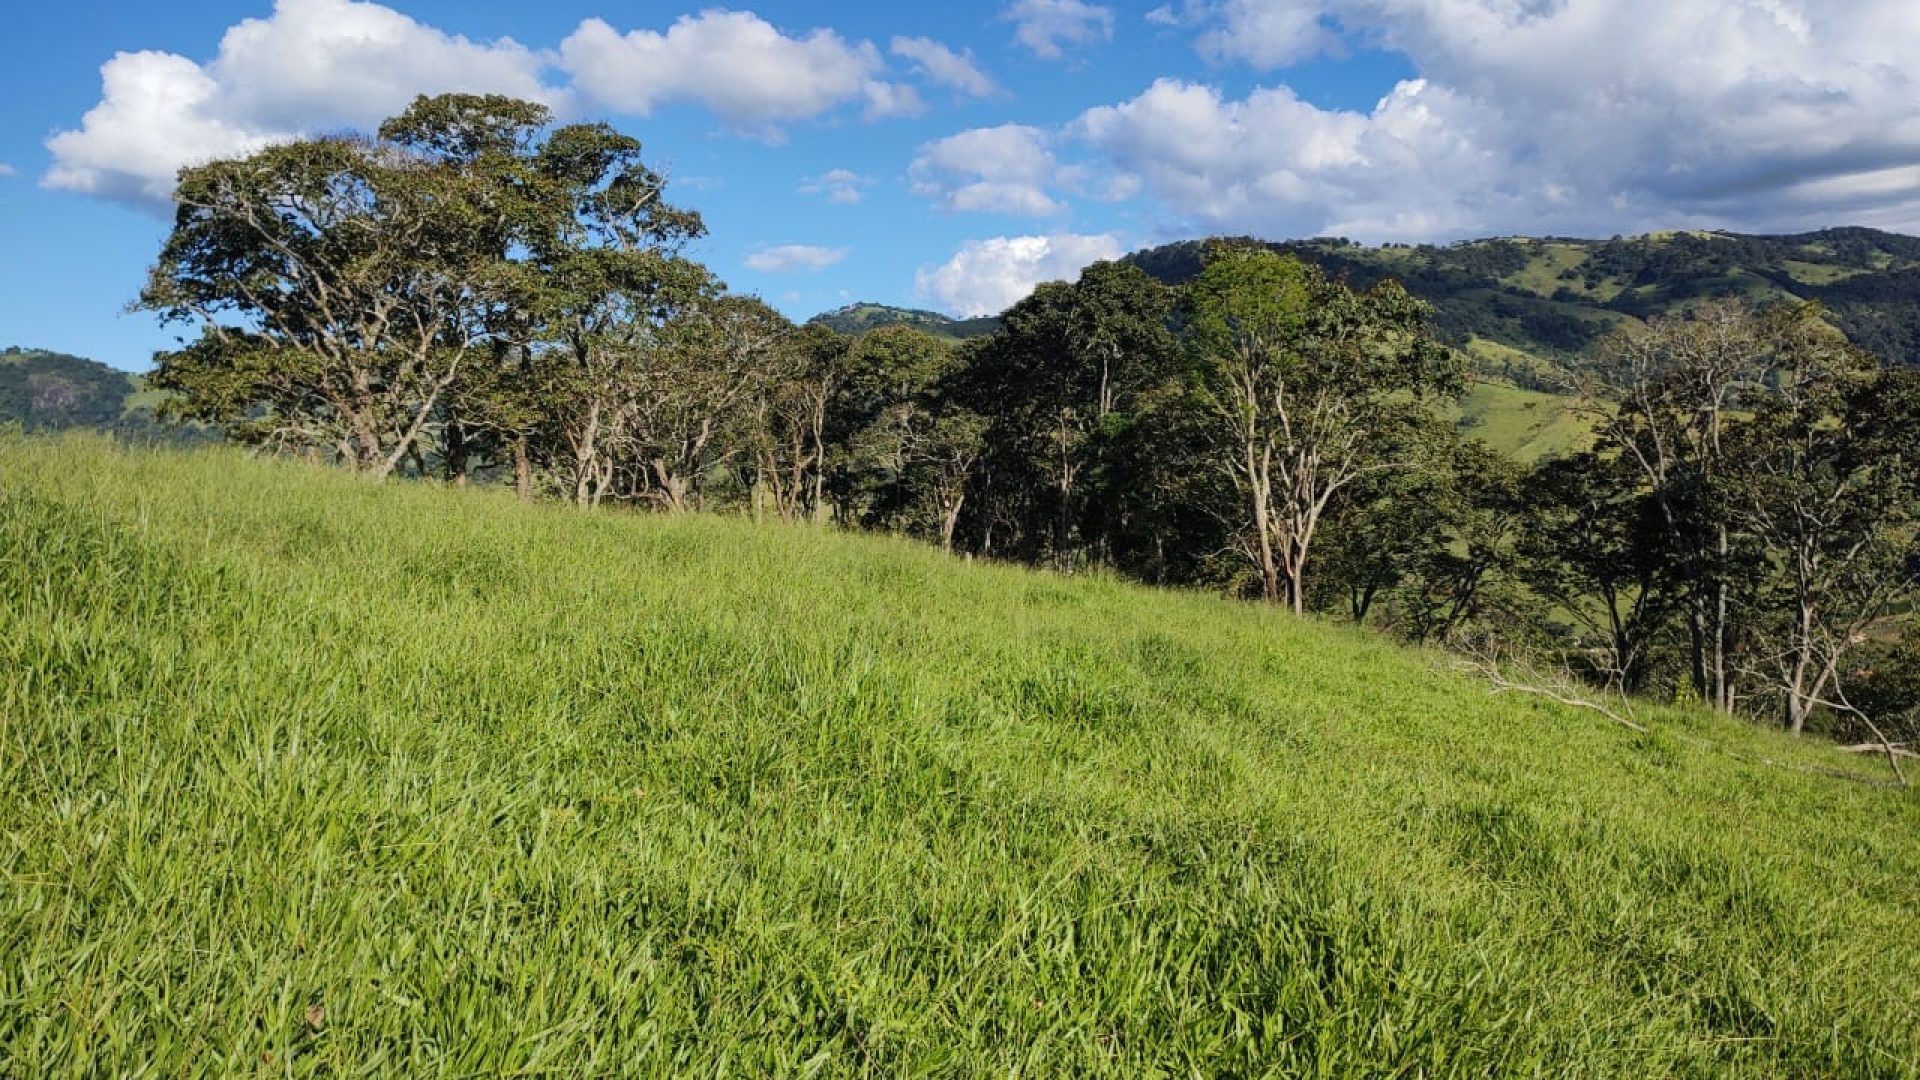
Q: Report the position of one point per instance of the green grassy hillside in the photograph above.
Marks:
(303, 776)
(1544, 300)
(1524, 424)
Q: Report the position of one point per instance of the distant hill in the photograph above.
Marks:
(860, 318)
(1520, 305)
(1525, 309)
(46, 391)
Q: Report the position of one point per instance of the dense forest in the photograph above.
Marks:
(1552, 298)
(477, 295)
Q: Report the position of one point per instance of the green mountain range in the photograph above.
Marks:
(1524, 306)
(43, 391)
(860, 318)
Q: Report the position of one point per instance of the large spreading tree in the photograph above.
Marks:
(356, 295)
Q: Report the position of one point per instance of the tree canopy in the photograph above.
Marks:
(477, 294)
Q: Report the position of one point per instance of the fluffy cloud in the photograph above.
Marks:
(789, 258)
(1264, 33)
(838, 185)
(311, 64)
(6, 170)
(1275, 164)
(985, 277)
(1045, 26)
(317, 65)
(735, 63)
(944, 66)
(1579, 116)
(1003, 169)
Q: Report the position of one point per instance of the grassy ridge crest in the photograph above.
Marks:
(309, 776)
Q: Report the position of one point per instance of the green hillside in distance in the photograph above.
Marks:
(1519, 304)
(1524, 310)
(406, 780)
(860, 318)
(50, 391)
(42, 391)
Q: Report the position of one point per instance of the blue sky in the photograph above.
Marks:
(950, 156)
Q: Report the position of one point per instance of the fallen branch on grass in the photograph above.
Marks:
(1838, 774)
(1490, 668)
(1885, 746)
(1503, 685)
(1532, 682)
(1897, 750)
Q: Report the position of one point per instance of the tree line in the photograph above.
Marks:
(477, 294)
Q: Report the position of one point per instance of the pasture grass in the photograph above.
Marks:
(1526, 425)
(1546, 261)
(304, 776)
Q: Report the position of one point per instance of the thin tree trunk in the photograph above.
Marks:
(950, 521)
(1723, 692)
(455, 455)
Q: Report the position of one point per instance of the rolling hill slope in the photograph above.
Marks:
(855, 319)
(307, 776)
(1520, 303)
(45, 391)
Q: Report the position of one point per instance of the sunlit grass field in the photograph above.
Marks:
(1523, 424)
(304, 776)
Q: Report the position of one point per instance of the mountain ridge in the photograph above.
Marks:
(1523, 306)
(46, 391)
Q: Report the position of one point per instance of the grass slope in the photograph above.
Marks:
(302, 776)
(1523, 424)
(1549, 299)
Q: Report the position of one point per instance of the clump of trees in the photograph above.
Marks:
(479, 295)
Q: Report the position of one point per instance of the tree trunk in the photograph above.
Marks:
(950, 521)
(1723, 690)
(454, 455)
(522, 470)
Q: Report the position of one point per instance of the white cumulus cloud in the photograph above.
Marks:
(1588, 116)
(735, 63)
(945, 67)
(985, 277)
(1264, 33)
(790, 258)
(1003, 169)
(838, 186)
(1049, 27)
(311, 64)
(326, 65)
(1275, 164)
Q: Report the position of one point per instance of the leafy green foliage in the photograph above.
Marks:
(1551, 298)
(354, 295)
(1313, 387)
(389, 780)
(1081, 383)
